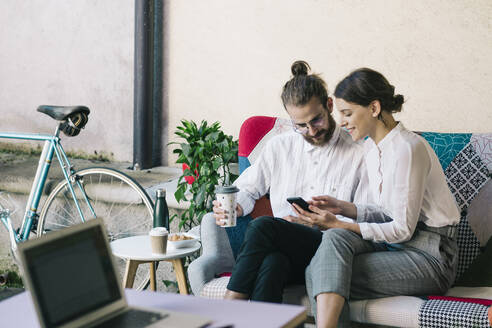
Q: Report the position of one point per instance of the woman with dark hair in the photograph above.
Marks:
(404, 242)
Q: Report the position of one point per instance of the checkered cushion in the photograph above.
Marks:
(295, 294)
(215, 289)
(443, 314)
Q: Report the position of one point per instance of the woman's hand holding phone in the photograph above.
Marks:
(327, 203)
(299, 201)
(316, 217)
(319, 214)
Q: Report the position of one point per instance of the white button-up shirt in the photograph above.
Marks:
(289, 166)
(407, 185)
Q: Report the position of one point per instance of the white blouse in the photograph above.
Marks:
(289, 166)
(407, 185)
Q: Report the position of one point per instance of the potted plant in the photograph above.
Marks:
(205, 154)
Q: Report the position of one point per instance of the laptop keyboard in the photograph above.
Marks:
(132, 319)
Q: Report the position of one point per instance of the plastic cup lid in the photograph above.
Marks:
(226, 189)
(158, 231)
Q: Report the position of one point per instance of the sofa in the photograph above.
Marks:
(467, 162)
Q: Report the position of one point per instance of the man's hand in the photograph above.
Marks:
(327, 203)
(221, 215)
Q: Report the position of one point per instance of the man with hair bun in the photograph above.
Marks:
(317, 158)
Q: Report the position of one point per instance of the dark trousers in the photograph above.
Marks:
(274, 253)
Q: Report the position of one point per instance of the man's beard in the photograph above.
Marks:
(325, 134)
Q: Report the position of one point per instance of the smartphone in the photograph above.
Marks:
(299, 201)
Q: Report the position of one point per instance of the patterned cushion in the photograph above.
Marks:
(466, 174)
(480, 214)
(482, 143)
(446, 145)
(439, 313)
(483, 301)
(295, 294)
(215, 289)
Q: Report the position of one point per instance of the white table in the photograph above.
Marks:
(18, 311)
(136, 250)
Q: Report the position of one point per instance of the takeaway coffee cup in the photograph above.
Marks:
(227, 197)
(158, 240)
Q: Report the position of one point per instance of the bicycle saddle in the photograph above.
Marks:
(61, 113)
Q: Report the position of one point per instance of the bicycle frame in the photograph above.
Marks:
(51, 147)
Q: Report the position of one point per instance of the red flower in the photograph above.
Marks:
(190, 178)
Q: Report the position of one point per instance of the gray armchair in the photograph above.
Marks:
(217, 256)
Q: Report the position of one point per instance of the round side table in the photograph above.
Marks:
(136, 250)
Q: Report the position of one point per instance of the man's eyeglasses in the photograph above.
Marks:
(317, 122)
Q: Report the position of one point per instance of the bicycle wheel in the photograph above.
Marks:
(120, 201)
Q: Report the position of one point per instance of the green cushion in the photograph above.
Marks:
(479, 273)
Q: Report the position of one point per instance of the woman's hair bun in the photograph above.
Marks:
(299, 68)
(398, 101)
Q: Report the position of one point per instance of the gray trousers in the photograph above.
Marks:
(355, 268)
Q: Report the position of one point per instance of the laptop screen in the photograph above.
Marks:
(72, 276)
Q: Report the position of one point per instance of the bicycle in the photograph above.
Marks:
(123, 204)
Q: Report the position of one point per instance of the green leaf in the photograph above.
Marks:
(168, 283)
(201, 195)
(187, 125)
(188, 172)
(216, 163)
(181, 159)
(180, 134)
(179, 193)
(212, 136)
(186, 149)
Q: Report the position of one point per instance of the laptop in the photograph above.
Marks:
(72, 280)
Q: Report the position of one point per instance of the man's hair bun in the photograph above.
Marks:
(300, 68)
(299, 90)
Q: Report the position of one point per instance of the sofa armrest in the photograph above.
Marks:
(216, 255)
(203, 270)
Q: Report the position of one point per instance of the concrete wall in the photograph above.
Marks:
(77, 52)
(229, 59)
